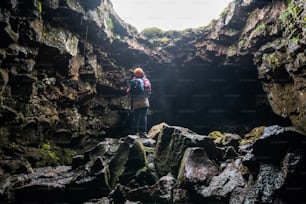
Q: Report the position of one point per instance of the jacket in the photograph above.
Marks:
(142, 101)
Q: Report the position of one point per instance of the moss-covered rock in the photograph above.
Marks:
(223, 139)
(129, 161)
(279, 63)
(252, 136)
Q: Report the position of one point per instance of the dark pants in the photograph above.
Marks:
(139, 123)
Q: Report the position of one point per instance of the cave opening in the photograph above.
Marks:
(206, 96)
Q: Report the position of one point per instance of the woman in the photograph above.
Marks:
(140, 101)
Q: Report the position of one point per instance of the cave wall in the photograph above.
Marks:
(63, 77)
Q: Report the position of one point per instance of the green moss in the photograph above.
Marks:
(252, 136)
(284, 17)
(294, 40)
(164, 40)
(260, 27)
(159, 37)
(149, 150)
(39, 6)
(45, 31)
(46, 148)
(241, 42)
(271, 60)
(110, 24)
(219, 138)
(294, 10)
(288, 2)
(231, 51)
(67, 155)
(152, 32)
(142, 170)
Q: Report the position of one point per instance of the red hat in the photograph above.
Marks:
(138, 72)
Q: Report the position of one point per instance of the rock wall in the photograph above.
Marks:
(63, 73)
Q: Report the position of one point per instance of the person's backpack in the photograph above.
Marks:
(137, 87)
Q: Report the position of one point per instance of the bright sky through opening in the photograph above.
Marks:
(169, 14)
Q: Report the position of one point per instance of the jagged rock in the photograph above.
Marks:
(227, 152)
(118, 194)
(276, 141)
(222, 186)
(156, 129)
(171, 145)
(181, 196)
(276, 158)
(196, 167)
(128, 162)
(92, 4)
(274, 181)
(3, 80)
(160, 192)
(77, 161)
(106, 148)
(44, 183)
(93, 180)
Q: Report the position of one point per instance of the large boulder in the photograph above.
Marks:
(196, 167)
(128, 162)
(276, 141)
(160, 192)
(171, 145)
(222, 186)
(275, 165)
(46, 183)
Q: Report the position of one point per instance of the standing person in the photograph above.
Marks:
(139, 90)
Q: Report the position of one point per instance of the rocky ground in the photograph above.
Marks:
(174, 165)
